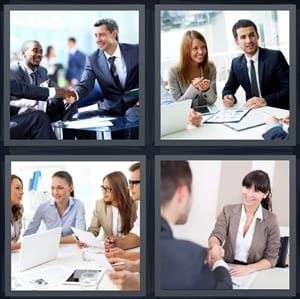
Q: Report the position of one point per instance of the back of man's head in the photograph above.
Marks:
(111, 25)
(173, 174)
(242, 23)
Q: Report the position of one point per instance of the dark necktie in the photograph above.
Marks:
(254, 85)
(33, 77)
(113, 71)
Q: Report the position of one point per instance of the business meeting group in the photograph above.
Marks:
(116, 215)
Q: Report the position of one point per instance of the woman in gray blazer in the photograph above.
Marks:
(16, 187)
(194, 77)
(249, 232)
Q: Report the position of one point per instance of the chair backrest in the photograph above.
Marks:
(283, 252)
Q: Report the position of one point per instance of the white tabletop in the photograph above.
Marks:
(221, 132)
(70, 258)
(270, 279)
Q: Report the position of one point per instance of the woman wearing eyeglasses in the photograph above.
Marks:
(64, 210)
(116, 211)
(16, 194)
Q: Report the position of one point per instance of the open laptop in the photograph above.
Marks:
(39, 248)
(174, 117)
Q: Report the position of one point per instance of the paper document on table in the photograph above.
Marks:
(253, 119)
(243, 282)
(229, 115)
(90, 123)
(103, 262)
(88, 238)
(39, 279)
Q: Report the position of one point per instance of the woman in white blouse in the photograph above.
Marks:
(16, 194)
(249, 232)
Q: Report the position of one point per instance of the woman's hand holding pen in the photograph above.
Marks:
(120, 264)
(201, 83)
(109, 242)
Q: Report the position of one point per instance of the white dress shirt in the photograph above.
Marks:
(243, 243)
(119, 63)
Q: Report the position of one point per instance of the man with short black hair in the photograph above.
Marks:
(263, 73)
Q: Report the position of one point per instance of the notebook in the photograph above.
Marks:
(39, 248)
(174, 117)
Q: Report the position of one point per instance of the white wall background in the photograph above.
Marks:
(217, 183)
(87, 178)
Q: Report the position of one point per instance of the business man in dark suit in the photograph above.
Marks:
(76, 63)
(34, 124)
(115, 78)
(263, 73)
(183, 263)
(29, 71)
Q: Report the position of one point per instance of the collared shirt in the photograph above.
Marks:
(24, 103)
(116, 222)
(74, 215)
(255, 60)
(243, 243)
(136, 225)
(119, 63)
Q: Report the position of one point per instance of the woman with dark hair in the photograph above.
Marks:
(194, 77)
(16, 194)
(64, 210)
(49, 62)
(249, 232)
(116, 211)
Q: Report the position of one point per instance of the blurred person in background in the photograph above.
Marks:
(76, 63)
(49, 62)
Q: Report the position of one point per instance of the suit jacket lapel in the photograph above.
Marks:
(103, 67)
(261, 66)
(245, 74)
(128, 60)
(234, 224)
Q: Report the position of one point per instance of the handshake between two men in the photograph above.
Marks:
(69, 95)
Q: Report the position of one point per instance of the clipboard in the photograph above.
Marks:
(231, 115)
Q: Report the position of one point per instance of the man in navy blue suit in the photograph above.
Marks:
(76, 63)
(115, 66)
(183, 263)
(270, 80)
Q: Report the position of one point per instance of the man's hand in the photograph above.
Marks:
(195, 118)
(228, 100)
(120, 264)
(115, 252)
(255, 102)
(125, 280)
(65, 93)
(215, 253)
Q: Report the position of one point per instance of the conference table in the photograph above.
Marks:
(69, 258)
(220, 131)
(101, 125)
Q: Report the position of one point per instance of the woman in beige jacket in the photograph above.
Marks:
(249, 232)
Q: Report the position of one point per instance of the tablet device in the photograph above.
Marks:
(75, 276)
(204, 110)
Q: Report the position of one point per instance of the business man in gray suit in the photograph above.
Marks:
(29, 71)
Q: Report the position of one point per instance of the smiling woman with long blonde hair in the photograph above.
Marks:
(194, 77)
